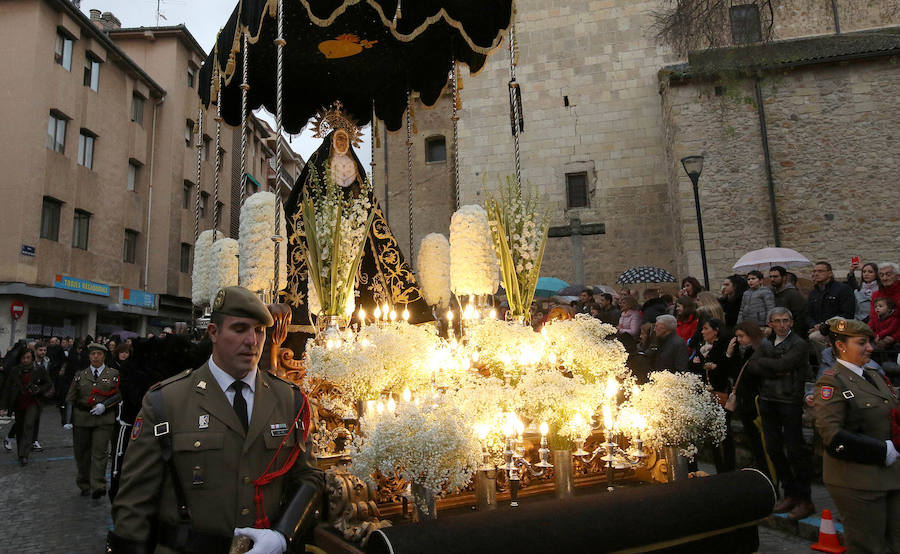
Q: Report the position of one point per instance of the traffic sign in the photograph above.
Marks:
(16, 309)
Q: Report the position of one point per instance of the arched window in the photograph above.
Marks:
(435, 149)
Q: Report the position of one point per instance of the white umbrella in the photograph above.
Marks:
(767, 257)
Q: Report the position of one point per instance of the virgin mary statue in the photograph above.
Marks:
(384, 277)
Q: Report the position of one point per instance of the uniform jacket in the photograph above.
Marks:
(85, 392)
(866, 414)
(12, 385)
(756, 304)
(834, 299)
(216, 460)
(783, 369)
(792, 299)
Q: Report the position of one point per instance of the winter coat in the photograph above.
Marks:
(687, 328)
(892, 292)
(630, 322)
(791, 298)
(671, 354)
(834, 299)
(783, 368)
(756, 305)
(889, 326)
(718, 377)
(12, 385)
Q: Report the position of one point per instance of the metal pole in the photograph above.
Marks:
(764, 135)
(695, 181)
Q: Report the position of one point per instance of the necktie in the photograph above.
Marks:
(869, 379)
(240, 404)
(96, 374)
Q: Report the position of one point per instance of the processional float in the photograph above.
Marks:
(428, 393)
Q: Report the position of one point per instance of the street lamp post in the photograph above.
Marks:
(693, 166)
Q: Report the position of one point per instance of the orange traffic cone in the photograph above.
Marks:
(828, 539)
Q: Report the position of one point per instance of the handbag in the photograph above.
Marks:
(732, 401)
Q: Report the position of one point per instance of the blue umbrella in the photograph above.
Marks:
(547, 287)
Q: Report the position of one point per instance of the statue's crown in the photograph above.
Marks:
(333, 118)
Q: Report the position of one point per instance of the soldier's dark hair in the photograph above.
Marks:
(217, 318)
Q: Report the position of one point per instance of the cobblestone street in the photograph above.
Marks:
(41, 510)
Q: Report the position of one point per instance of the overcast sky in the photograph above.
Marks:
(203, 19)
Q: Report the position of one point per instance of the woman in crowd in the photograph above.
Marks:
(123, 351)
(691, 287)
(757, 300)
(888, 274)
(710, 361)
(686, 314)
(630, 320)
(23, 388)
(856, 409)
(733, 289)
(864, 289)
(747, 338)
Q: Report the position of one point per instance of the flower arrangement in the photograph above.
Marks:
(256, 266)
(432, 446)
(336, 229)
(378, 358)
(200, 293)
(506, 349)
(679, 412)
(223, 265)
(473, 263)
(519, 235)
(584, 346)
(548, 395)
(434, 270)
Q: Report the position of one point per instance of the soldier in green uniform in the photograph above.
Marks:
(219, 451)
(90, 403)
(857, 416)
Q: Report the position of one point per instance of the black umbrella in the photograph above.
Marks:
(645, 274)
(575, 290)
(354, 51)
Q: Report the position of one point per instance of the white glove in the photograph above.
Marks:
(891, 455)
(265, 541)
(67, 426)
(98, 409)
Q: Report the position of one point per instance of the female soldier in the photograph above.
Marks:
(855, 410)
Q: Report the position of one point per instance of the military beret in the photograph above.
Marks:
(240, 302)
(97, 346)
(849, 327)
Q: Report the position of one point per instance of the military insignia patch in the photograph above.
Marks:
(136, 428)
(220, 299)
(204, 421)
(278, 429)
(848, 394)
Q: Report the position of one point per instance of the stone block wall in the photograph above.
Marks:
(833, 132)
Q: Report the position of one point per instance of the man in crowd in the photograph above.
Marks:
(782, 364)
(653, 306)
(787, 296)
(209, 439)
(585, 299)
(608, 312)
(671, 352)
(827, 299)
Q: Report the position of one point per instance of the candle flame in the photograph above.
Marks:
(607, 417)
(612, 387)
(377, 313)
(391, 405)
(544, 428)
(405, 314)
(380, 407)
(407, 394)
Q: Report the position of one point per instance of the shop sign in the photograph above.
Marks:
(28, 250)
(81, 285)
(16, 309)
(139, 298)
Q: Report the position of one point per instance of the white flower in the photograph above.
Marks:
(257, 251)
(200, 293)
(434, 270)
(473, 263)
(224, 265)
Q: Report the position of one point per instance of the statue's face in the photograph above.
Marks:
(341, 142)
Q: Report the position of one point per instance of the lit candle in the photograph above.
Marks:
(379, 407)
(386, 310)
(393, 315)
(391, 405)
(362, 317)
(544, 428)
(407, 394)
(607, 417)
(449, 315)
(377, 313)
(612, 387)
(493, 314)
(406, 315)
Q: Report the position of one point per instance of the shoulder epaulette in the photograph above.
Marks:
(172, 379)
(829, 372)
(277, 378)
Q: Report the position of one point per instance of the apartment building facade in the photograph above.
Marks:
(100, 147)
